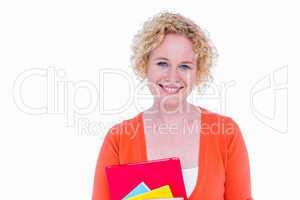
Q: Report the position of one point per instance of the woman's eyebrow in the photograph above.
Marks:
(161, 58)
(187, 62)
(164, 58)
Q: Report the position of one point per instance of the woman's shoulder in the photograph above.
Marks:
(222, 131)
(127, 128)
(211, 116)
(218, 124)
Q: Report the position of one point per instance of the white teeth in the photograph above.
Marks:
(171, 90)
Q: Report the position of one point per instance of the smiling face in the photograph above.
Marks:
(171, 70)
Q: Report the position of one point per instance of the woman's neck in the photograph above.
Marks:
(172, 114)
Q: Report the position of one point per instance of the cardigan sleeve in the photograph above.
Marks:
(108, 155)
(237, 184)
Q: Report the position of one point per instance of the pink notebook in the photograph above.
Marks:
(156, 173)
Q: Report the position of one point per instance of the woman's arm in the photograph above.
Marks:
(237, 185)
(108, 156)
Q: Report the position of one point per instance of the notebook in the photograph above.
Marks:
(156, 173)
(161, 192)
(140, 189)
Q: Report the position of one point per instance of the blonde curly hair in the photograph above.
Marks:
(152, 34)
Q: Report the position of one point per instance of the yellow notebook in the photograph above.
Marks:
(161, 192)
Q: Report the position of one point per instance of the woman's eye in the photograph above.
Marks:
(185, 67)
(163, 64)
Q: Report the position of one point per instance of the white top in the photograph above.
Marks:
(190, 179)
(190, 175)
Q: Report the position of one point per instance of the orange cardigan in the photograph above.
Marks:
(223, 159)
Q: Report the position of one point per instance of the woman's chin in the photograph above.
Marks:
(170, 102)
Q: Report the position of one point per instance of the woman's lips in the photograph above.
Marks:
(170, 89)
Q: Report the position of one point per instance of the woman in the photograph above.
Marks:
(172, 53)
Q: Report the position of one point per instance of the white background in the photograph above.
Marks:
(51, 155)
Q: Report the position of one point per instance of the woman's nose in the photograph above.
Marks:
(173, 74)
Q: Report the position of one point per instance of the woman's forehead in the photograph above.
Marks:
(175, 45)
